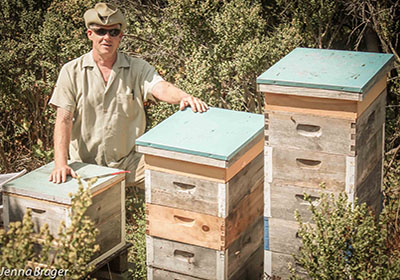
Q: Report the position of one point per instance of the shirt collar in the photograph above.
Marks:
(121, 61)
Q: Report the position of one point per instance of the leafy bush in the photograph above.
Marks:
(135, 231)
(212, 49)
(345, 242)
(72, 249)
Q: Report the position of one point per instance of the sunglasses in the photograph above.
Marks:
(102, 32)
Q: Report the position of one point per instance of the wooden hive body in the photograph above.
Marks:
(324, 133)
(204, 189)
(51, 204)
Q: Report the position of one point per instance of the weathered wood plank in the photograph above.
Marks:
(250, 209)
(105, 205)
(282, 236)
(203, 171)
(327, 107)
(202, 229)
(334, 108)
(286, 199)
(277, 264)
(309, 132)
(369, 154)
(370, 189)
(42, 212)
(203, 196)
(370, 122)
(309, 169)
(185, 226)
(199, 159)
(253, 269)
(301, 91)
(196, 261)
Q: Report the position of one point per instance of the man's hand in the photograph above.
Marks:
(167, 92)
(59, 174)
(196, 104)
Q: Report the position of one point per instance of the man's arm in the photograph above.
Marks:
(167, 92)
(62, 135)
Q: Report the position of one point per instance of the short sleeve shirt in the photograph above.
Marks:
(107, 117)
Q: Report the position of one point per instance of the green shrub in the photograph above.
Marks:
(344, 241)
(135, 231)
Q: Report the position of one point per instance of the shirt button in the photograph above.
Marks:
(105, 110)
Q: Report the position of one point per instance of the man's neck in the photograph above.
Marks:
(105, 60)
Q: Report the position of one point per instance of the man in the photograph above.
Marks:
(99, 98)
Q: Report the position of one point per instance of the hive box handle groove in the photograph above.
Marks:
(37, 211)
(308, 163)
(184, 186)
(183, 220)
(309, 130)
(184, 256)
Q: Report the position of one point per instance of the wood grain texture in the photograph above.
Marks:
(277, 264)
(370, 190)
(200, 159)
(341, 109)
(370, 122)
(343, 72)
(327, 107)
(309, 169)
(203, 196)
(203, 171)
(369, 154)
(42, 212)
(252, 270)
(249, 209)
(205, 263)
(282, 236)
(202, 229)
(309, 132)
(285, 199)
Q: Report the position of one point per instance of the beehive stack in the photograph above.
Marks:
(204, 195)
(50, 203)
(324, 133)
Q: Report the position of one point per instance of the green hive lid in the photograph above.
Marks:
(217, 133)
(328, 69)
(36, 183)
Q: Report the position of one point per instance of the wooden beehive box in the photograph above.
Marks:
(203, 162)
(200, 169)
(204, 186)
(50, 203)
(324, 127)
(205, 263)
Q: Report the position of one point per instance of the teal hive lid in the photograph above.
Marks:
(36, 183)
(217, 133)
(348, 71)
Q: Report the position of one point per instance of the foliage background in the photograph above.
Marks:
(211, 49)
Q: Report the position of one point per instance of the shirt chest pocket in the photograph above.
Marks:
(126, 105)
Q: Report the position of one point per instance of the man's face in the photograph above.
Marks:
(105, 44)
